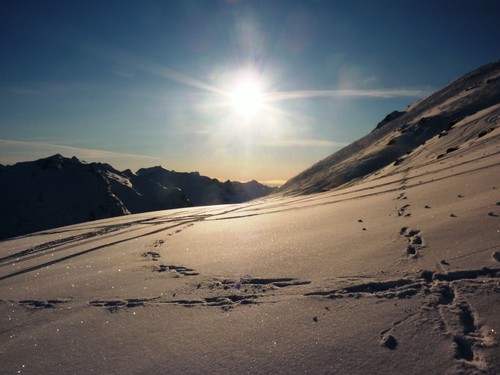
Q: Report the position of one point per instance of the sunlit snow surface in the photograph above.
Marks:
(396, 273)
(314, 284)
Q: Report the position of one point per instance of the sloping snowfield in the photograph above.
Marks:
(396, 274)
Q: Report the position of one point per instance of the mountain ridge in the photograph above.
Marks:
(400, 133)
(453, 118)
(58, 191)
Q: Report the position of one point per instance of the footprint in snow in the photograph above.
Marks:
(151, 255)
(414, 240)
(158, 243)
(388, 340)
(176, 270)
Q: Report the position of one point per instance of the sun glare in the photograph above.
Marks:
(247, 96)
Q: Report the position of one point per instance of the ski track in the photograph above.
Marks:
(69, 243)
(442, 294)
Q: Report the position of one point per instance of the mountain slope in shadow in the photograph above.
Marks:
(58, 191)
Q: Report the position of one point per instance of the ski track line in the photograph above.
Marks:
(64, 258)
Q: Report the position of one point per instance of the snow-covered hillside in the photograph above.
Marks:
(397, 272)
(58, 191)
(454, 118)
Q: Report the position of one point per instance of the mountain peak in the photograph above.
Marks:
(58, 191)
(56, 161)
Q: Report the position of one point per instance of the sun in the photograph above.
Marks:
(247, 97)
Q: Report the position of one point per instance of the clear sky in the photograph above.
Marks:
(233, 89)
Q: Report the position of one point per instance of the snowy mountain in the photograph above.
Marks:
(58, 191)
(53, 192)
(454, 118)
(397, 271)
(203, 190)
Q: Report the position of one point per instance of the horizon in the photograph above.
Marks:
(272, 183)
(235, 90)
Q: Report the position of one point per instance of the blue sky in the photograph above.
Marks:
(143, 83)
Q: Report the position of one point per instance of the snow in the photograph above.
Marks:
(119, 178)
(393, 273)
(438, 114)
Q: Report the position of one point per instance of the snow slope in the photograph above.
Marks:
(397, 272)
(400, 134)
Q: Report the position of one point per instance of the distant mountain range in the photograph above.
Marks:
(58, 191)
(451, 119)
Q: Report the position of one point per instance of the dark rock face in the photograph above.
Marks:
(53, 192)
(202, 190)
(387, 119)
(58, 191)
